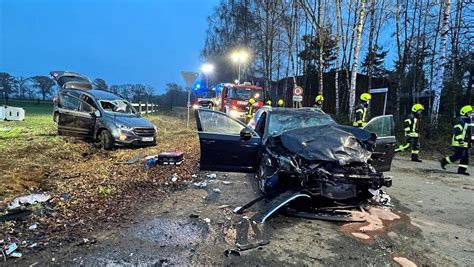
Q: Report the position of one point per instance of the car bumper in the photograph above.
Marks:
(134, 142)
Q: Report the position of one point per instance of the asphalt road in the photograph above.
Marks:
(431, 223)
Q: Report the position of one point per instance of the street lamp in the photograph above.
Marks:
(207, 69)
(240, 57)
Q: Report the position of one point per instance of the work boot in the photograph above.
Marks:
(414, 157)
(443, 163)
(463, 172)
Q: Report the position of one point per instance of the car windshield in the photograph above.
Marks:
(117, 106)
(207, 95)
(242, 93)
(282, 122)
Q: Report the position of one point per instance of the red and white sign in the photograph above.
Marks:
(298, 90)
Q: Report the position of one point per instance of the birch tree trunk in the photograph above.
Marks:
(438, 85)
(355, 63)
(321, 44)
(338, 33)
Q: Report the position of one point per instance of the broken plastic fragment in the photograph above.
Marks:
(216, 190)
(226, 182)
(16, 255)
(200, 184)
(30, 199)
(236, 210)
(33, 227)
(174, 178)
(211, 176)
(11, 248)
(207, 220)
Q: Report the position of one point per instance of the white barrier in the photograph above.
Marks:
(12, 113)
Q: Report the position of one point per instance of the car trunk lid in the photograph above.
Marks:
(71, 80)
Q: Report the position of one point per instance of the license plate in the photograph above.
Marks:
(147, 139)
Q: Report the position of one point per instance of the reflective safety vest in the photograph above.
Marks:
(462, 132)
(249, 112)
(360, 116)
(411, 126)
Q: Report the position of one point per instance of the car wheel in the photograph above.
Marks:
(263, 173)
(106, 140)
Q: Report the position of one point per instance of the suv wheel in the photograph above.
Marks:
(105, 140)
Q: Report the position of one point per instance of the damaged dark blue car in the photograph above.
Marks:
(302, 150)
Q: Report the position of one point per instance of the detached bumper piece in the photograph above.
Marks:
(170, 158)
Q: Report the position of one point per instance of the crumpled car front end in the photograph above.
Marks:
(324, 161)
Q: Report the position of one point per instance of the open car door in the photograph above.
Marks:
(76, 117)
(226, 144)
(384, 127)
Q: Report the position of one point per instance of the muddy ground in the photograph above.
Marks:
(431, 224)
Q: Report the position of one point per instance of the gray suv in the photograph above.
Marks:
(101, 116)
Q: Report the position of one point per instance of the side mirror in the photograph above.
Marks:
(97, 114)
(245, 134)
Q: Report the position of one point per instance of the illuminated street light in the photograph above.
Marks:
(240, 57)
(207, 69)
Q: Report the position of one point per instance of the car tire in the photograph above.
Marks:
(263, 171)
(105, 140)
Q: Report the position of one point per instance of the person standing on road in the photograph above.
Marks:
(249, 110)
(280, 103)
(360, 118)
(412, 132)
(461, 141)
(319, 100)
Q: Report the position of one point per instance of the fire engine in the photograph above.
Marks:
(232, 99)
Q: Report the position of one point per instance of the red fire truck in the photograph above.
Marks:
(233, 98)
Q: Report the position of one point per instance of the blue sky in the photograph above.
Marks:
(121, 41)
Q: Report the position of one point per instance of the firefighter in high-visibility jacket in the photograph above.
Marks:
(249, 110)
(461, 141)
(412, 132)
(318, 102)
(360, 118)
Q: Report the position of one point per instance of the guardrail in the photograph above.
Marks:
(145, 108)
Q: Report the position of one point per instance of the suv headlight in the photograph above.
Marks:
(125, 128)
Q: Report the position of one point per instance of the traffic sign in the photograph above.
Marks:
(297, 98)
(378, 90)
(189, 77)
(298, 91)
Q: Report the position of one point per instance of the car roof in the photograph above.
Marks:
(97, 94)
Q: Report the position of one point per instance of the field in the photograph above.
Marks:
(33, 158)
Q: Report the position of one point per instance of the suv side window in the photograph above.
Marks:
(260, 128)
(69, 102)
(88, 104)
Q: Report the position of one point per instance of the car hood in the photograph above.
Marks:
(135, 122)
(328, 143)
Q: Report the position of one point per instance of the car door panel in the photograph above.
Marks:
(75, 118)
(384, 127)
(222, 148)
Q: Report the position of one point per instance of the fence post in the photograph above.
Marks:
(146, 108)
(140, 107)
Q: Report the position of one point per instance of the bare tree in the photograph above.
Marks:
(359, 28)
(438, 85)
(337, 4)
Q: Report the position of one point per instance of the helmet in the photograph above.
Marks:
(319, 98)
(268, 102)
(280, 102)
(252, 101)
(465, 110)
(365, 97)
(417, 107)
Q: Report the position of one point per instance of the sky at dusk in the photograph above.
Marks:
(121, 41)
